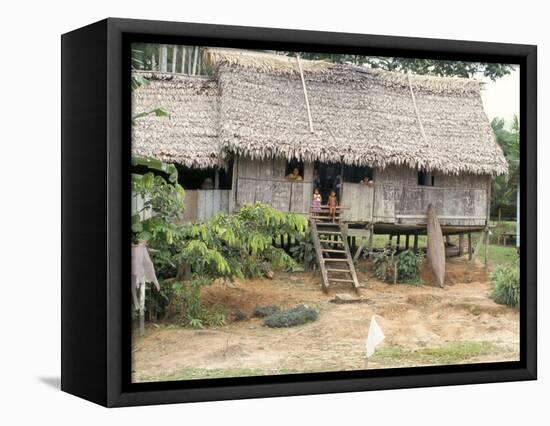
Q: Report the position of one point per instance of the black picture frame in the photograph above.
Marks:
(96, 213)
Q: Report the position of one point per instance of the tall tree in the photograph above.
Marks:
(504, 188)
(436, 67)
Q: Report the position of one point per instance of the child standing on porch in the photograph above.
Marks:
(332, 204)
(316, 201)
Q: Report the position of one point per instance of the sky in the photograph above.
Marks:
(501, 97)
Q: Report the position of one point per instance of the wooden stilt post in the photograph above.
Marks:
(398, 240)
(460, 244)
(371, 239)
(407, 241)
(469, 246)
(415, 243)
(486, 241)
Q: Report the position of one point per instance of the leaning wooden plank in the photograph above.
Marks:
(436, 247)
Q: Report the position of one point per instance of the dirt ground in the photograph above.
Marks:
(424, 325)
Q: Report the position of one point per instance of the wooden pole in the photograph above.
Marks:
(460, 244)
(398, 240)
(407, 241)
(415, 243)
(486, 235)
(469, 246)
(305, 93)
(371, 239)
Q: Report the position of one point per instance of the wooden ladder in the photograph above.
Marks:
(332, 250)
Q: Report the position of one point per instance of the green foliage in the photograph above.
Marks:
(505, 280)
(192, 312)
(435, 67)
(408, 266)
(403, 267)
(303, 252)
(504, 188)
(240, 244)
(157, 112)
(265, 311)
(301, 314)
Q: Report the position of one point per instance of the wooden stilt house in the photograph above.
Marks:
(416, 140)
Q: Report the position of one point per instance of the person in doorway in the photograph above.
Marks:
(295, 175)
(316, 201)
(367, 181)
(207, 184)
(332, 204)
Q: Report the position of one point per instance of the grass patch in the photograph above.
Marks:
(205, 373)
(500, 255)
(452, 353)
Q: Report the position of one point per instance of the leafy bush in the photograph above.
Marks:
(301, 314)
(265, 311)
(304, 251)
(505, 280)
(192, 311)
(408, 266)
(403, 267)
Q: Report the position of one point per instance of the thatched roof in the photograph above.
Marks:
(189, 135)
(360, 116)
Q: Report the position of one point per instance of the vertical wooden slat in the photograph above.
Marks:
(195, 59)
(163, 58)
(183, 59)
(174, 58)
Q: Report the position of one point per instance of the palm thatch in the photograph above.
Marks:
(189, 135)
(360, 116)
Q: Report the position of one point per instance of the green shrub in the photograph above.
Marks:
(304, 250)
(301, 314)
(408, 266)
(403, 267)
(265, 311)
(191, 312)
(505, 280)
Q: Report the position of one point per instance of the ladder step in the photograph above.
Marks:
(330, 232)
(337, 270)
(332, 241)
(327, 224)
(340, 280)
(333, 251)
(331, 259)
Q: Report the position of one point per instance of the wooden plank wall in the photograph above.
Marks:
(458, 200)
(202, 204)
(359, 198)
(264, 181)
